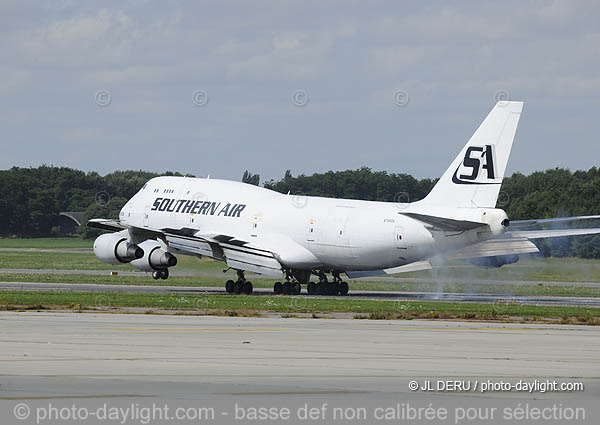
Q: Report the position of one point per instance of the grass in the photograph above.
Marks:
(47, 243)
(243, 305)
(532, 290)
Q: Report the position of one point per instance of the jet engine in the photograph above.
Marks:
(115, 248)
(495, 261)
(155, 259)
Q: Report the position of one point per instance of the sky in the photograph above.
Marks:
(222, 87)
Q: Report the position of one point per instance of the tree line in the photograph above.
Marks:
(32, 198)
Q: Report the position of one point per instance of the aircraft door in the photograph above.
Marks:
(147, 216)
(255, 226)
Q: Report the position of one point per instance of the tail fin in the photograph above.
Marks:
(475, 176)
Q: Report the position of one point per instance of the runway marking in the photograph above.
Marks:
(293, 392)
(197, 330)
(476, 329)
(57, 397)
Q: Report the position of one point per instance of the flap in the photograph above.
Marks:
(261, 263)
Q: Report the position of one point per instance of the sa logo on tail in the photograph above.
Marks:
(478, 166)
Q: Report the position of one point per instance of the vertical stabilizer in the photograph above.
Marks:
(475, 176)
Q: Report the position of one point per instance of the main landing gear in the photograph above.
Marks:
(160, 274)
(292, 284)
(240, 286)
(287, 288)
(290, 287)
(323, 287)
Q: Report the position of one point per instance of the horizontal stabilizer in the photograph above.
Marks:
(553, 233)
(443, 223)
(524, 223)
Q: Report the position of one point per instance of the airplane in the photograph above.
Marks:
(295, 237)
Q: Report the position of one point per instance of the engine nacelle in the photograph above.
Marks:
(115, 248)
(496, 261)
(155, 258)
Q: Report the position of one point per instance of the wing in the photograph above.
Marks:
(237, 253)
(493, 248)
(490, 248)
(412, 267)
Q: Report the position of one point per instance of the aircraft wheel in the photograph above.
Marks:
(229, 286)
(311, 288)
(164, 275)
(278, 288)
(287, 288)
(296, 288)
(155, 275)
(344, 288)
(238, 287)
(247, 287)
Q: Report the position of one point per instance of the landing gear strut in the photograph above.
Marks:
(240, 286)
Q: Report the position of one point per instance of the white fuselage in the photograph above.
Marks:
(307, 232)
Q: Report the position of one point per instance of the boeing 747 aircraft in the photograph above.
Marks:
(294, 238)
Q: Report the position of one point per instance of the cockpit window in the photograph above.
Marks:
(145, 186)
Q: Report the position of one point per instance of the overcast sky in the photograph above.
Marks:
(208, 88)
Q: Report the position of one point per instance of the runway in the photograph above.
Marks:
(353, 294)
(92, 361)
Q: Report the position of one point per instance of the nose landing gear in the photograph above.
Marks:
(160, 274)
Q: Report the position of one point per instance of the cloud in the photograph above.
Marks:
(350, 57)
